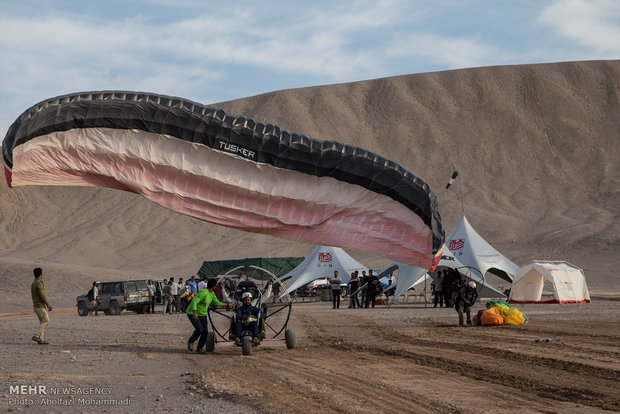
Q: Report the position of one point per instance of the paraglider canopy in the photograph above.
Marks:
(227, 169)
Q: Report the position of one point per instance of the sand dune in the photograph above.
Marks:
(536, 147)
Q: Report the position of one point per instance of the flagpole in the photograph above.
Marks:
(461, 194)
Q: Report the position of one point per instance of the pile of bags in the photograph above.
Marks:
(499, 313)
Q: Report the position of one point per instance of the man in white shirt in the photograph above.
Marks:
(93, 295)
(174, 290)
(151, 287)
(202, 284)
(181, 289)
(335, 285)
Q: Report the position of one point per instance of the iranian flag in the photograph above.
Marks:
(454, 174)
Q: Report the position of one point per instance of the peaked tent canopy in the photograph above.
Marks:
(473, 251)
(276, 265)
(568, 283)
(320, 263)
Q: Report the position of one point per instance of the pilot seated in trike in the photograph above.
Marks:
(247, 317)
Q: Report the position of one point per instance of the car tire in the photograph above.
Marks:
(82, 310)
(114, 308)
(246, 345)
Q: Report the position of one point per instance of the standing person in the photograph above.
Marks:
(354, 285)
(197, 315)
(174, 291)
(93, 296)
(151, 287)
(222, 292)
(372, 289)
(335, 285)
(465, 300)
(185, 300)
(389, 292)
(193, 287)
(438, 290)
(446, 288)
(203, 283)
(181, 293)
(364, 282)
(40, 305)
(167, 296)
(456, 284)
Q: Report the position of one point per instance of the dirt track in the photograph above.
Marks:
(403, 359)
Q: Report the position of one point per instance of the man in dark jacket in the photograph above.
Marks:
(247, 315)
(373, 289)
(354, 284)
(465, 300)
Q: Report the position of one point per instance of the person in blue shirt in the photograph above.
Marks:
(248, 315)
(193, 286)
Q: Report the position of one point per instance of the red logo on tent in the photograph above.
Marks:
(456, 244)
(325, 257)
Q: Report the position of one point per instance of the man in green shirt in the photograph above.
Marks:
(41, 305)
(197, 315)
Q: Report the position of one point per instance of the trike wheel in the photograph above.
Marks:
(289, 336)
(210, 342)
(246, 345)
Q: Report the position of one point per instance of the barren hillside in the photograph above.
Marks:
(536, 146)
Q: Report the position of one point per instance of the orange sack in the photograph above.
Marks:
(491, 318)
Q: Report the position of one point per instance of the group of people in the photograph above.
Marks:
(450, 288)
(368, 287)
(175, 296)
(446, 286)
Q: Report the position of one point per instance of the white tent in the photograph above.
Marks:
(473, 251)
(567, 282)
(321, 263)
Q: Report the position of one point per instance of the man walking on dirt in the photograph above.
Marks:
(40, 305)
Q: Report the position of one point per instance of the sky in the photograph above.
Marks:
(213, 51)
